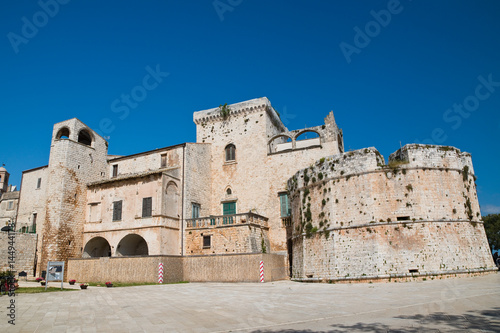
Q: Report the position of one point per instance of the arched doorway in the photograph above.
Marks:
(132, 245)
(97, 247)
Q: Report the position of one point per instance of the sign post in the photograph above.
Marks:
(55, 272)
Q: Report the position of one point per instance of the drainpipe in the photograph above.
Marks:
(182, 199)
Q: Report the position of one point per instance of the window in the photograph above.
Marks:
(63, 133)
(147, 207)
(115, 170)
(195, 210)
(285, 205)
(229, 192)
(228, 208)
(34, 219)
(207, 241)
(39, 183)
(117, 210)
(10, 205)
(85, 137)
(163, 161)
(230, 152)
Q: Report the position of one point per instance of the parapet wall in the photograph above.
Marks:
(216, 268)
(351, 211)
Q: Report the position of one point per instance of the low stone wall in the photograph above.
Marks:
(25, 247)
(125, 269)
(235, 268)
(216, 268)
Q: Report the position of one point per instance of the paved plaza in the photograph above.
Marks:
(467, 304)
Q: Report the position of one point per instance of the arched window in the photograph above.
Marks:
(229, 192)
(63, 133)
(230, 152)
(172, 200)
(85, 137)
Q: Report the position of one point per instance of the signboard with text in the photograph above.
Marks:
(55, 272)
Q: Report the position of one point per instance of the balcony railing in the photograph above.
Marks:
(227, 220)
(28, 230)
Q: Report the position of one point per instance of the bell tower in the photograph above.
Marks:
(77, 157)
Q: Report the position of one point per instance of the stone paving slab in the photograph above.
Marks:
(448, 305)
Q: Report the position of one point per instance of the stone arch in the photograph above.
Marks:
(85, 137)
(63, 133)
(302, 141)
(284, 140)
(132, 245)
(172, 200)
(307, 131)
(97, 247)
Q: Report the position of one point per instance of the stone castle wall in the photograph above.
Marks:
(72, 165)
(354, 216)
(25, 246)
(259, 172)
(32, 199)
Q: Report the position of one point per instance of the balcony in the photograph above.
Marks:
(227, 220)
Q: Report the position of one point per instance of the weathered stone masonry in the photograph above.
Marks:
(355, 217)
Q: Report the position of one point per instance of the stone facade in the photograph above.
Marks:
(9, 199)
(228, 194)
(25, 248)
(355, 217)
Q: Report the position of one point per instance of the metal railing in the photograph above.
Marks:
(227, 220)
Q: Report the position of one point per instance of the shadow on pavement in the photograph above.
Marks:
(486, 320)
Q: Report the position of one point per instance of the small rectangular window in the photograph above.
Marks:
(285, 205)
(117, 210)
(115, 170)
(195, 211)
(39, 183)
(403, 218)
(147, 207)
(163, 161)
(10, 205)
(207, 242)
(34, 219)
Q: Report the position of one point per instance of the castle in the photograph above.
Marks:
(251, 186)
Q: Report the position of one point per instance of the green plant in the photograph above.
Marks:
(409, 187)
(224, 110)
(263, 245)
(465, 173)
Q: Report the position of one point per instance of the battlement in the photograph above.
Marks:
(369, 160)
(239, 109)
(432, 156)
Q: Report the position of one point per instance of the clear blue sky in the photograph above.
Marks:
(391, 72)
